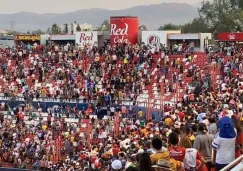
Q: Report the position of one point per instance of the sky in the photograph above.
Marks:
(63, 6)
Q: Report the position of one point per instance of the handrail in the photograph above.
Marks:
(233, 163)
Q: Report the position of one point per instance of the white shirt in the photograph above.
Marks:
(112, 109)
(225, 148)
(190, 158)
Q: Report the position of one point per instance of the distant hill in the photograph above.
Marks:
(152, 16)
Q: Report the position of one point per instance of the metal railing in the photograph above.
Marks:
(236, 165)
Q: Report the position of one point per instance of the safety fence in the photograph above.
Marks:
(6, 166)
(13, 169)
(236, 165)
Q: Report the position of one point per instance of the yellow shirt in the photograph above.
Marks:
(125, 61)
(168, 121)
(43, 91)
(177, 61)
(190, 58)
(140, 113)
(174, 164)
(192, 138)
(72, 139)
(241, 119)
(44, 127)
(143, 131)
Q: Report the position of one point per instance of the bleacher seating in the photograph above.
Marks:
(151, 91)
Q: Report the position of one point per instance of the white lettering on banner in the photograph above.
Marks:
(122, 40)
(118, 31)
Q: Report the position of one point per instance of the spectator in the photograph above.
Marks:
(132, 169)
(203, 145)
(191, 156)
(177, 153)
(145, 163)
(224, 143)
(163, 155)
(239, 138)
(212, 127)
(116, 165)
(163, 165)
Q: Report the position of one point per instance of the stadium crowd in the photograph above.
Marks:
(202, 132)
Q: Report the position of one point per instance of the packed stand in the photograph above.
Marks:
(183, 139)
(114, 74)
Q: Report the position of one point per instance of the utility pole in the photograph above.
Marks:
(12, 25)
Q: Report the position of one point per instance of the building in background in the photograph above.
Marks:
(72, 28)
(83, 27)
(69, 28)
(200, 40)
(3, 32)
(63, 39)
(6, 41)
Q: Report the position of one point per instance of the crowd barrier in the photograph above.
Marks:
(12, 169)
(80, 104)
(236, 165)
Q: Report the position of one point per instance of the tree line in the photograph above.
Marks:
(213, 16)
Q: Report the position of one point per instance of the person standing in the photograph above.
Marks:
(192, 156)
(176, 152)
(203, 144)
(224, 143)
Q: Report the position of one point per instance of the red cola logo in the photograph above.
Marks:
(231, 36)
(86, 40)
(119, 33)
(153, 40)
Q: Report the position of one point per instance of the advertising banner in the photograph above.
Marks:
(187, 36)
(123, 30)
(229, 36)
(154, 38)
(86, 38)
(27, 37)
(63, 37)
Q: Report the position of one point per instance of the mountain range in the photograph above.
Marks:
(152, 16)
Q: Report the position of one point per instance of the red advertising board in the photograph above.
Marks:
(123, 30)
(229, 36)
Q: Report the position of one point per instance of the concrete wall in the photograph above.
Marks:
(4, 43)
(171, 32)
(44, 38)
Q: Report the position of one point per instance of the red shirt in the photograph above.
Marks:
(238, 141)
(49, 118)
(115, 151)
(177, 153)
(82, 156)
(234, 72)
(21, 116)
(93, 158)
(181, 115)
